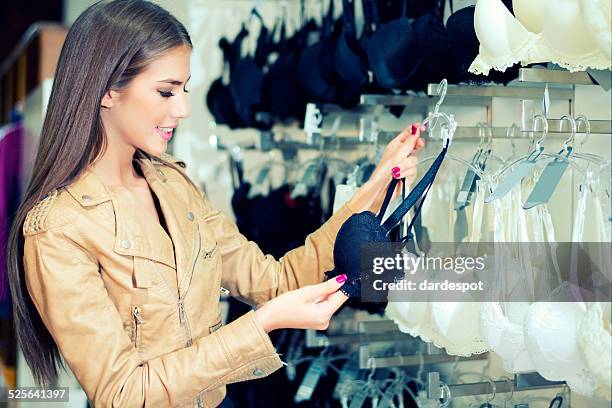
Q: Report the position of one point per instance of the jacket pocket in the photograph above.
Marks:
(137, 321)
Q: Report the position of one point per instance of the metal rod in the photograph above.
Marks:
(597, 127)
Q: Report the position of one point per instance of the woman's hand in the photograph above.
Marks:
(309, 307)
(399, 161)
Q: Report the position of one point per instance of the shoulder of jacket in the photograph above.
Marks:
(171, 159)
(55, 210)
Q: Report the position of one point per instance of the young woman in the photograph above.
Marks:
(117, 260)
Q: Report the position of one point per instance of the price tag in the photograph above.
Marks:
(311, 379)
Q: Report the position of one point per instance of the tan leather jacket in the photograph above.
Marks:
(135, 313)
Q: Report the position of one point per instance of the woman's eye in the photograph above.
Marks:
(166, 94)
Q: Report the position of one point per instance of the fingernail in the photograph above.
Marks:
(341, 278)
(395, 172)
(413, 129)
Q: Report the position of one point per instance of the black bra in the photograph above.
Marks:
(365, 227)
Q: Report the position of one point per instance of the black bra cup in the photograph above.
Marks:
(247, 81)
(465, 47)
(281, 89)
(219, 98)
(316, 71)
(246, 89)
(350, 61)
(392, 53)
(365, 227)
(438, 60)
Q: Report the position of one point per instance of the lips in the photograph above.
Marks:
(164, 135)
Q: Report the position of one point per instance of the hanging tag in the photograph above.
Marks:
(263, 174)
(348, 374)
(359, 397)
(460, 230)
(520, 171)
(309, 383)
(548, 181)
(467, 188)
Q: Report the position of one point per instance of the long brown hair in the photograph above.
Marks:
(106, 47)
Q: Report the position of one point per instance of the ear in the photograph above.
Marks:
(109, 99)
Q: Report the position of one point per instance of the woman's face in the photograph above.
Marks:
(144, 114)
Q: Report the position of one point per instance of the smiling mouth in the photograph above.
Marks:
(165, 134)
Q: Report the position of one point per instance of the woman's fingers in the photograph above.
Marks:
(333, 302)
(407, 167)
(319, 291)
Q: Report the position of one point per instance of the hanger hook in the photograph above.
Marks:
(441, 91)
(481, 134)
(587, 124)
(489, 130)
(572, 122)
(493, 389)
(544, 121)
(510, 134)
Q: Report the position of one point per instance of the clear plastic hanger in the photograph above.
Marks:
(264, 175)
(524, 166)
(311, 177)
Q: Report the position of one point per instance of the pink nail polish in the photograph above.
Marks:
(395, 170)
(341, 278)
(413, 129)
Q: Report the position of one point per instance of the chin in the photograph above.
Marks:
(155, 150)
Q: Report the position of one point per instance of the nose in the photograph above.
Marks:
(180, 108)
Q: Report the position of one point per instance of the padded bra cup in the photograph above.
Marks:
(565, 37)
(366, 227)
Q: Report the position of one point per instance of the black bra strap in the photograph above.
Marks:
(419, 190)
(388, 195)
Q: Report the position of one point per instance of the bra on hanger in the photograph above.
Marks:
(564, 38)
(501, 322)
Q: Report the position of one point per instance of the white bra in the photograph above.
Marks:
(570, 35)
(449, 325)
(551, 337)
(571, 341)
(595, 342)
(501, 323)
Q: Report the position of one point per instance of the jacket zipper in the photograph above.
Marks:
(138, 320)
(179, 299)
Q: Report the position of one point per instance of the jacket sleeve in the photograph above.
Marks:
(255, 277)
(65, 285)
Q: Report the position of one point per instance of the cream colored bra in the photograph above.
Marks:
(574, 34)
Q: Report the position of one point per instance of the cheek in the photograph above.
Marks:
(143, 114)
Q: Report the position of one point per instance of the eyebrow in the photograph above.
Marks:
(174, 81)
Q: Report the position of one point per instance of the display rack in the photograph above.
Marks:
(520, 382)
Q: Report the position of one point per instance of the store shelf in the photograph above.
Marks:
(422, 101)
(521, 382)
(490, 91)
(555, 76)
